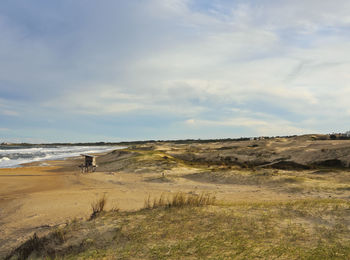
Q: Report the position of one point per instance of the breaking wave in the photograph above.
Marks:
(15, 156)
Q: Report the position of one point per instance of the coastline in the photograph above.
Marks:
(40, 196)
(35, 197)
(23, 155)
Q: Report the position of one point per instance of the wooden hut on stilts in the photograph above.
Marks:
(89, 163)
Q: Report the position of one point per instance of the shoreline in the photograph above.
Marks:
(55, 157)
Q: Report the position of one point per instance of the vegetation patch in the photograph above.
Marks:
(98, 206)
(302, 229)
(180, 199)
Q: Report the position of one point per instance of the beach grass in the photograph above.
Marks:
(299, 229)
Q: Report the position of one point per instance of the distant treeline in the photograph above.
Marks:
(183, 141)
(337, 136)
(126, 143)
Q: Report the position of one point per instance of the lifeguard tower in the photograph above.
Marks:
(89, 163)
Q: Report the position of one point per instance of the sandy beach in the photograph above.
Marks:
(40, 196)
(35, 198)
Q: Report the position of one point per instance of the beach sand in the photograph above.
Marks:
(35, 198)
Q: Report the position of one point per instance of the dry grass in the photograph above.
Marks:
(300, 229)
(285, 181)
(98, 206)
(24, 251)
(179, 200)
(115, 208)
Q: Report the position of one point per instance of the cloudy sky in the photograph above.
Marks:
(87, 70)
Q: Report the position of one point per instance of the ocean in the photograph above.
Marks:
(14, 156)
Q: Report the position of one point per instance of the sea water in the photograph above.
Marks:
(14, 156)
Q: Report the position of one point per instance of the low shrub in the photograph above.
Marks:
(98, 206)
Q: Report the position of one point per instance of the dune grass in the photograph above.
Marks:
(98, 206)
(304, 229)
(300, 229)
(179, 199)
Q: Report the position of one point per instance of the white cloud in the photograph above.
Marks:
(305, 16)
(260, 127)
(282, 66)
(8, 108)
(9, 112)
(115, 100)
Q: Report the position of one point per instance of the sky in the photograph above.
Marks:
(115, 70)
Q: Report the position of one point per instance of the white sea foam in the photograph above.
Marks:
(15, 156)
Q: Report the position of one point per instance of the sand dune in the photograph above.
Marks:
(35, 198)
